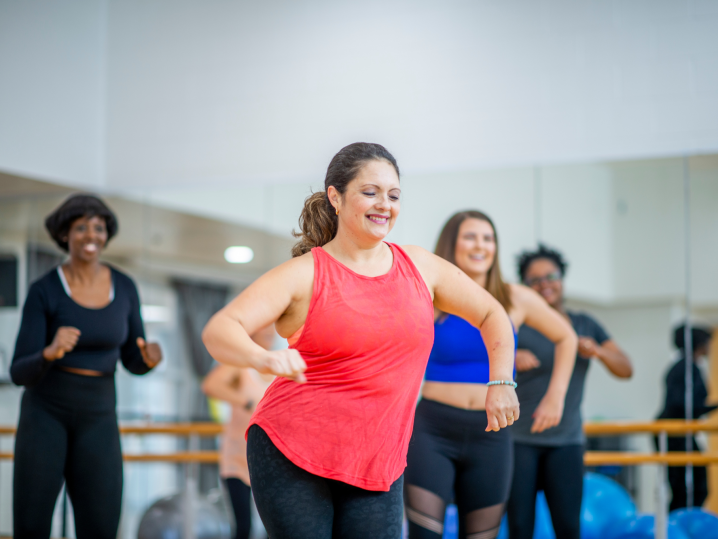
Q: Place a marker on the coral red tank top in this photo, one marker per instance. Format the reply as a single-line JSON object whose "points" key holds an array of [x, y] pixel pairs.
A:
{"points": [[366, 342]]}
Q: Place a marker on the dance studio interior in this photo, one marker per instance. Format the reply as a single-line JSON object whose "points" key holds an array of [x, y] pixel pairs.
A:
{"points": [[584, 129]]}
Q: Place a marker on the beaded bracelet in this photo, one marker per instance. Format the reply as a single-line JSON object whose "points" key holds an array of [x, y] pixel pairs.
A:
{"points": [[503, 383]]}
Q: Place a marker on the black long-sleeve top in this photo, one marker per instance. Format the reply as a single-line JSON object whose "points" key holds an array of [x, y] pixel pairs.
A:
{"points": [[107, 334], [675, 406]]}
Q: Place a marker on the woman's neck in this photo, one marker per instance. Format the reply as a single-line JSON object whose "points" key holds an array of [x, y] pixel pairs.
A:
{"points": [[346, 247], [81, 271]]}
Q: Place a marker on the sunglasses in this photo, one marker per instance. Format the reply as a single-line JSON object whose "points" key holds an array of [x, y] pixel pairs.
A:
{"points": [[549, 278]]}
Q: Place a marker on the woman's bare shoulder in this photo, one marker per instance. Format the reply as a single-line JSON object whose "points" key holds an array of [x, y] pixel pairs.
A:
{"points": [[300, 267], [418, 255], [522, 294]]}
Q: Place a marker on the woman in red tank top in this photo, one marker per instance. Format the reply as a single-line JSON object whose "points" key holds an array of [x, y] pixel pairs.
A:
{"points": [[327, 444]]}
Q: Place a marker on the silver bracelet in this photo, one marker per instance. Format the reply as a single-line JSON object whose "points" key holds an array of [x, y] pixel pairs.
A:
{"points": [[503, 383]]}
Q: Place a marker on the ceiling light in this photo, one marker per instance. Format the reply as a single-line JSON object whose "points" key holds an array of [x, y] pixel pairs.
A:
{"points": [[155, 313], [238, 254]]}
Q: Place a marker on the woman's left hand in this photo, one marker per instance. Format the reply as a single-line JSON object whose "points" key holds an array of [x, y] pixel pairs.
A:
{"points": [[548, 414], [151, 352], [502, 407], [587, 347]]}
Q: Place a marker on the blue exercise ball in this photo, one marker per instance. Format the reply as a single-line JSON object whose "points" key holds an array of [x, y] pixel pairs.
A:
{"points": [[543, 528], [504, 529], [642, 526], [451, 522], [605, 503], [697, 524]]}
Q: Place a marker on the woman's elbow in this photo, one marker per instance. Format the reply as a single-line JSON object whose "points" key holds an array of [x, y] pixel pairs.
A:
{"points": [[627, 371], [570, 339], [209, 333]]}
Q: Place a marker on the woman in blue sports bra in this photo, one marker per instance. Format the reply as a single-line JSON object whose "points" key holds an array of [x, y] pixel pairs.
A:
{"points": [[453, 454]]}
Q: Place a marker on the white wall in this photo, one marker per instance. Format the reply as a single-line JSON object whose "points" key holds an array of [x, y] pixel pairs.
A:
{"points": [[52, 96], [223, 91]]}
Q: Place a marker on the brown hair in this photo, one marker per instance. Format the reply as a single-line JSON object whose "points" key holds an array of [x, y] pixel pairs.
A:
{"points": [[318, 221], [446, 249]]}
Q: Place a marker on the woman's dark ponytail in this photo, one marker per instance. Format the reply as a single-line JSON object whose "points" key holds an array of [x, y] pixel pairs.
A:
{"points": [[318, 222]]}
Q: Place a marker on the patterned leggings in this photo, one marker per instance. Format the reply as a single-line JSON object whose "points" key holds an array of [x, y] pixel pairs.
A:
{"points": [[295, 504]]}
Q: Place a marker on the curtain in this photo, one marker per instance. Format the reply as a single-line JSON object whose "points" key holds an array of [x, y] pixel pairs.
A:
{"points": [[197, 303]]}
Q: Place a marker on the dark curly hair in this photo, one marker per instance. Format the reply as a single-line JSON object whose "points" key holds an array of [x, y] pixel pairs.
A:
{"points": [[700, 336], [318, 222], [527, 257], [58, 223]]}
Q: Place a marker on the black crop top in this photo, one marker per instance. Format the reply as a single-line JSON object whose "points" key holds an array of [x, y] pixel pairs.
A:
{"points": [[107, 334]]}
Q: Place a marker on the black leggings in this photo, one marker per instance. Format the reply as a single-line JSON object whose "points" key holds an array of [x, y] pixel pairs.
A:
{"points": [[677, 477], [295, 504], [241, 496], [558, 471], [451, 456], [68, 429]]}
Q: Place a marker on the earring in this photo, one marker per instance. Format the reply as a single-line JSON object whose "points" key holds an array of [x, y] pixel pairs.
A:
{"points": [[337, 211]]}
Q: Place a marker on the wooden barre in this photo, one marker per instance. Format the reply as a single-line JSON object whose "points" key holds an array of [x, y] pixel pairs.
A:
{"points": [[177, 429], [201, 457], [608, 458], [591, 458], [670, 426]]}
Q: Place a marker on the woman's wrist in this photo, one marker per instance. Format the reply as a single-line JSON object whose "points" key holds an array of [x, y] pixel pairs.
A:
{"points": [[48, 354], [257, 358], [505, 382], [556, 393]]}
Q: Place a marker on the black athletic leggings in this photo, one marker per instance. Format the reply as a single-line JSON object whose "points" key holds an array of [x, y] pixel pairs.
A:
{"points": [[241, 497], [451, 456], [677, 477], [68, 430], [558, 471], [295, 504]]}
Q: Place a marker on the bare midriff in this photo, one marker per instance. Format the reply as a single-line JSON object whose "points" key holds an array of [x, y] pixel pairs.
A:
{"points": [[465, 396], [82, 372]]}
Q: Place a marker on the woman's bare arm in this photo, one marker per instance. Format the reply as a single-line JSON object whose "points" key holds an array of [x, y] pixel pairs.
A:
{"points": [[270, 298], [615, 359], [549, 322], [455, 293], [226, 383]]}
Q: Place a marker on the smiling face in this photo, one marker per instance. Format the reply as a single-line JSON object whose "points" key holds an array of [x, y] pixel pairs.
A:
{"points": [[475, 247], [370, 204], [545, 277], [86, 238]]}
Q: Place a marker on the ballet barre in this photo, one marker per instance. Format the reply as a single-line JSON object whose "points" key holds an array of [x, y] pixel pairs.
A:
{"points": [[661, 429]]}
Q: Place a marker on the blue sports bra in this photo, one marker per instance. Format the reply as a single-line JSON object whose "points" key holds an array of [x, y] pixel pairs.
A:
{"points": [[459, 354]]}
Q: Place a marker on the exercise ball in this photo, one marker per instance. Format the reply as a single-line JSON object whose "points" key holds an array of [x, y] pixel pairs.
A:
{"points": [[605, 504], [504, 529], [451, 522], [165, 520], [696, 523], [543, 528], [643, 527]]}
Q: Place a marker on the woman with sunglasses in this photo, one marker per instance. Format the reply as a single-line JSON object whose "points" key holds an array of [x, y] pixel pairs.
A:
{"points": [[555, 455], [454, 454]]}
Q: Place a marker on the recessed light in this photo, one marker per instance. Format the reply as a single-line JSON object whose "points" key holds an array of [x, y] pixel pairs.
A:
{"points": [[238, 254], [155, 313]]}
